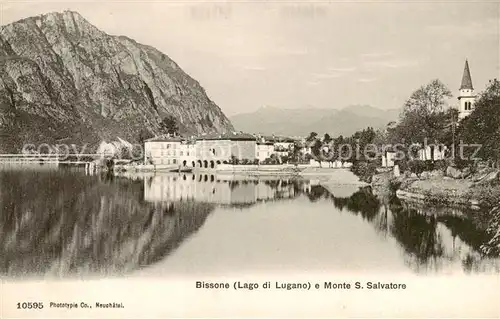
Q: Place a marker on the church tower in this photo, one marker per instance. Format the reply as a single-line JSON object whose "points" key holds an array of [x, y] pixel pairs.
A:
{"points": [[466, 95]]}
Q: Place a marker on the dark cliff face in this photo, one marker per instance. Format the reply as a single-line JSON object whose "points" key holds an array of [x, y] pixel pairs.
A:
{"points": [[63, 80]]}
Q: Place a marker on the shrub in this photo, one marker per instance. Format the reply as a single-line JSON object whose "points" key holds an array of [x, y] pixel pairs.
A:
{"points": [[270, 161], [463, 163], [364, 170], [487, 196], [441, 165], [419, 166]]}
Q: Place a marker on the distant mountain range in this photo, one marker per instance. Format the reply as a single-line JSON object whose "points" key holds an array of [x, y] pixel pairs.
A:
{"points": [[300, 122]]}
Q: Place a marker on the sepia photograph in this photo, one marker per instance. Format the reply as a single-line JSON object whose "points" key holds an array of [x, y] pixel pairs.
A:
{"points": [[280, 158]]}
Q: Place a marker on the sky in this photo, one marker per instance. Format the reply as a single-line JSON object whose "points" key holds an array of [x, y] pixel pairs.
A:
{"points": [[295, 54]]}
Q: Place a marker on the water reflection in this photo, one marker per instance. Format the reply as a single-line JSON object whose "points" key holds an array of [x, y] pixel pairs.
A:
{"points": [[432, 237], [224, 190], [64, 223]]}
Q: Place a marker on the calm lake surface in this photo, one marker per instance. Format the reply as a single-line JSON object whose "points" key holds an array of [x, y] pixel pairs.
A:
{"points": [[64, 223]]}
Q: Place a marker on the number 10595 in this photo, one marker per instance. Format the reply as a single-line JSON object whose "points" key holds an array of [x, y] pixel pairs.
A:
{"points": [[30, 305]]}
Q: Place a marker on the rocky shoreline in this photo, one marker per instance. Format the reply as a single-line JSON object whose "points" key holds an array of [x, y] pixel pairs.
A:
{"points": [[478, 192], [451, 186]]}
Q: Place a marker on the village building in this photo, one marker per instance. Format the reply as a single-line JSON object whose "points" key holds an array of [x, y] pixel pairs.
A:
{"points": [[187, 154], [212, 150], [264, 150], [388, 159], [466, 96], [432, 152], [283, 146], [163, 150]]}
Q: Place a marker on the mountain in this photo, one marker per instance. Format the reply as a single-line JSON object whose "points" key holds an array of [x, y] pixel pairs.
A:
{"points": [[300, 122], [272, 120], [63, 80]]}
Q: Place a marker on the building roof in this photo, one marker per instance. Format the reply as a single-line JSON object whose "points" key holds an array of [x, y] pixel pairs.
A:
{"points": [[265, 143], [466, 78], [279, 139], [165, 138], [228, 136]]}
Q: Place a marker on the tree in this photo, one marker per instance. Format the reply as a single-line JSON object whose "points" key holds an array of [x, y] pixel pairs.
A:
{"points": [[312, 136], [428, 99], [316, 150], [144, 135], [296, 151], [482, 126], [169, 125], [327, 138], [422, 115]]}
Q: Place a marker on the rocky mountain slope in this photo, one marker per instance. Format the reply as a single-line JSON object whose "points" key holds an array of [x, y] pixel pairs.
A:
{"points": [[300, 122], [62, 80]]}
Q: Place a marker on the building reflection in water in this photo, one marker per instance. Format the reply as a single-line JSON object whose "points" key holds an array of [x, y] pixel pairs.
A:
{"points": [[223, 189], [62, 223], [433, 238]]}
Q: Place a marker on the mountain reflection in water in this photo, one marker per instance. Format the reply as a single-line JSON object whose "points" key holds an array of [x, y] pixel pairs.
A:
{"points": [[63, 223]]}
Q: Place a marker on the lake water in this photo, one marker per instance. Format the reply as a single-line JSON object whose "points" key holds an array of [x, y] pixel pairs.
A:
{"points": [[64, 223]]}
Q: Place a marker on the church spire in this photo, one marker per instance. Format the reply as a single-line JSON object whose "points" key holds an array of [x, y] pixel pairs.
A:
{"points": [[466, 79]]}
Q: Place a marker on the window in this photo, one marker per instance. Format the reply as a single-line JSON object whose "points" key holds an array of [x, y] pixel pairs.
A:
{"points": [[174, 161], [168, 145], [182, 153], [168, 161]]}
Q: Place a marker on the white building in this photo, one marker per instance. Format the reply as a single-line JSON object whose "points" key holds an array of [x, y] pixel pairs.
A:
{"points": [[187, 154], [283, 146], [163, 150], [466, 96], [432, 152], [388, 159], [212, 150], [264, 150]]}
